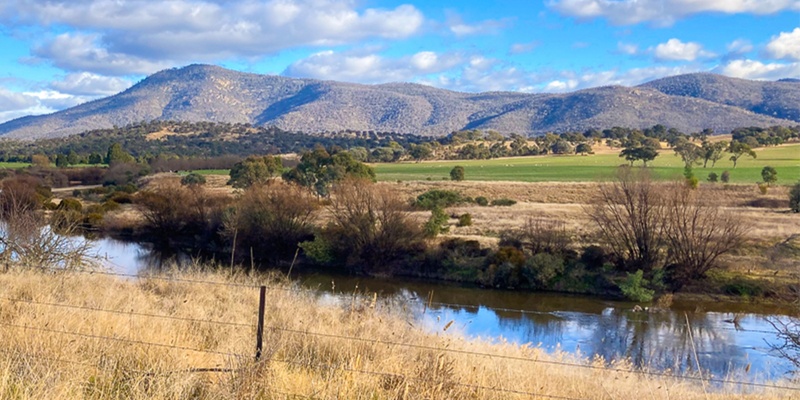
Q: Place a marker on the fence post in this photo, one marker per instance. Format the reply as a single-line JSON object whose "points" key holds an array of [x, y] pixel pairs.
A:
{"points": [[260, 328]]}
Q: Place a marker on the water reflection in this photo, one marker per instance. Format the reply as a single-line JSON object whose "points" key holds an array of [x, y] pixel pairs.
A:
{"points": [[583, 325]]}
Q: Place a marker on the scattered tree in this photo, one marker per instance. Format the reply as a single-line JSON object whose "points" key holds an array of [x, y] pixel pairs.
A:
{"points": [[255, 171], [116, 154], [738, 150], [769, 175], [642, 153], [794, 198]]}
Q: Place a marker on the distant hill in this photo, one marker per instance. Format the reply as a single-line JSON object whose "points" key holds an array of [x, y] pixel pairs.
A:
{"points": [[209, 93]]}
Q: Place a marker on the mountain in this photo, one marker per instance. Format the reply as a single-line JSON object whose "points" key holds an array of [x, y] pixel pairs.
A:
{"points": [[209, 93], [779, 99]]}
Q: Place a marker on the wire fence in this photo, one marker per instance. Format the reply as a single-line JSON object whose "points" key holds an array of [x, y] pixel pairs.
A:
{"points": [[258, 326]]}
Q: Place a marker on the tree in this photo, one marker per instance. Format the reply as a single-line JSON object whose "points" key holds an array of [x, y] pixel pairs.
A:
{"points": [[61, 161], [696, 234], [95, 159], [739, 149], [420, 152], [769, 175], [116, 154], [725, 177], [73, 158], [255, 171], [457, 173], [561, 146], [40, 160], [642, 153], [689, 152], [584, 148], [319, 169], [629, 218], [713, 152], [794, 198]]}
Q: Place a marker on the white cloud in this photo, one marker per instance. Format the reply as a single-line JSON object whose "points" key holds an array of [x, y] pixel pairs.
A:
{"points": [[459, 28], [752, 69], [664, 12], [675, 50], [80, 52], [561, 86], [134, 36], [627, 48], [521, 48], [88, 84], [19, 104], [13, 101], [786, 45], [740, 46], [369, 67]]}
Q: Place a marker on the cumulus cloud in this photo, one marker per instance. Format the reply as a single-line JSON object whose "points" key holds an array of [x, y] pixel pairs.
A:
{"points": [[675, 50], [370, 68], [135, 36], [786, 45], [664, 12], [88, 84], [13, 101], [752, 69], [19, 104]]}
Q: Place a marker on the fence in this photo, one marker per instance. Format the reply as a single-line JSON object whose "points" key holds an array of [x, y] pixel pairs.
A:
{"points": [[259, 328]]}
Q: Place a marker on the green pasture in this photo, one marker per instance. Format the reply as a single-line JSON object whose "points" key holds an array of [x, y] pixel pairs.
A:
{"points": [[14, 165], [785, 159]]}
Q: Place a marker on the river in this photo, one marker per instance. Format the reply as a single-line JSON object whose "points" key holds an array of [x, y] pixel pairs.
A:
{"points": [[730, 340]]}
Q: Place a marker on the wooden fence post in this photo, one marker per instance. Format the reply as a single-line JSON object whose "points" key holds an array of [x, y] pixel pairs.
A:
{"points": [[260, 329]]}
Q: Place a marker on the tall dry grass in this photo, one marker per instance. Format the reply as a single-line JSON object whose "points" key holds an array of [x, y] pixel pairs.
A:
{"points": [[398, 361]]}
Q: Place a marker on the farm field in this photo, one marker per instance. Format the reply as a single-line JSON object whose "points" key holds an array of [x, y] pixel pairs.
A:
{"points": [[576, 168]]}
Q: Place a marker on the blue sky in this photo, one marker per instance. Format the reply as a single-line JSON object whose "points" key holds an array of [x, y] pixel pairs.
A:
{"points": [[57, 54]]}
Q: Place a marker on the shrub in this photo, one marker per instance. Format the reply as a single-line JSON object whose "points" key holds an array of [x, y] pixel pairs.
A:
{"points": [[438, 198], [465, 220], [504, 202], [70, 204], [482, 201], [725, 177], [541, 269], [769, 175], [713, 177], [634, 287], [437, 223], [594, 257], [193, 179], [457, 173], [794, 198], [763, 188]]}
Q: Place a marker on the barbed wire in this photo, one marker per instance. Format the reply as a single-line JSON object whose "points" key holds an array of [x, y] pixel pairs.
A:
{"points": [[128, 313], [123, 340]]}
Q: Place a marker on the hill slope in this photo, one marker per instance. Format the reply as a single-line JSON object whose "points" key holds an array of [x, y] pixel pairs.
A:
{"points": [[209, 93]]}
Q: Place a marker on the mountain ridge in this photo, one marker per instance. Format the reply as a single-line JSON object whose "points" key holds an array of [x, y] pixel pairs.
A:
{"points": [[199, 92]]}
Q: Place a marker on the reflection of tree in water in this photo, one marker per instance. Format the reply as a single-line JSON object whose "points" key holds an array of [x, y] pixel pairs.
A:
{"points": [[662, 341], [155, 259]]}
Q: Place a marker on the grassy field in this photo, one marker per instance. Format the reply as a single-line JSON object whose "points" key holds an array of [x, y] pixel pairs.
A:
{"points": [[575, 168], [191, 336], [14, 165]]}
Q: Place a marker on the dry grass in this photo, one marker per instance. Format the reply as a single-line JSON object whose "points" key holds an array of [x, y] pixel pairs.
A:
{"points": [[38, 365]]}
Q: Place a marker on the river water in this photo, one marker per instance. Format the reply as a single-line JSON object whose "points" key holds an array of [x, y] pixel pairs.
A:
{"points": [[730, 340]]}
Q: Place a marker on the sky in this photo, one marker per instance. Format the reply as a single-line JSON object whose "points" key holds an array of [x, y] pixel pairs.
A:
{"points": [[58, 54]]}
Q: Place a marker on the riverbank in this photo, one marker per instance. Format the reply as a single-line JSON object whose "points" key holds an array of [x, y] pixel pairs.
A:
{"points": [[192, 334]]}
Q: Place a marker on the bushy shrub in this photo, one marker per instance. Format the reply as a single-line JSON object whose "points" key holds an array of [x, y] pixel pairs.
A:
{"points": [[437, 223], [504, 202], [541, 269], [438, 198], [465, 220], [794, 198], [725, 177], [712, 177], [457, 173], [482, 201], [634, 287]]}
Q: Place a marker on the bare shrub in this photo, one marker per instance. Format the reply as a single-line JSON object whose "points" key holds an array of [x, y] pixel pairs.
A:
{"points": [[696, 234], [370, 228], [173, 209], [272, 219], [629, 218], [541, 235]]}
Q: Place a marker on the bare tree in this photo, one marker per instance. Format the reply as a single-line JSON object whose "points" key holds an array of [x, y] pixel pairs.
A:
{"points": [[630, 219], [696, 233], [540, 235]]}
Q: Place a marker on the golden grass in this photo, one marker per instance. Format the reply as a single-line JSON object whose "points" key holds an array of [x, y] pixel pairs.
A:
{"points": [[48, 365]]}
